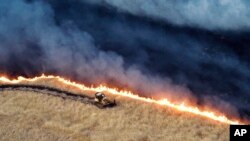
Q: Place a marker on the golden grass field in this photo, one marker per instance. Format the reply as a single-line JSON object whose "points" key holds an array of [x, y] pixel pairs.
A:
{"points": [[29, 116]]}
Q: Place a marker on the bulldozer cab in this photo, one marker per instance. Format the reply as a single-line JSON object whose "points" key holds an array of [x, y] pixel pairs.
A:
{"points": [[99, 97]]}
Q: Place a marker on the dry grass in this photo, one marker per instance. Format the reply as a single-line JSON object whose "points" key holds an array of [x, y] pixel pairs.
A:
{"points": [[26, 116]]}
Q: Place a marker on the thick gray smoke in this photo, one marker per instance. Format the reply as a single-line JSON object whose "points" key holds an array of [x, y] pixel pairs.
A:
{"points": [[95, 44], [29, 33], [208, 14]]}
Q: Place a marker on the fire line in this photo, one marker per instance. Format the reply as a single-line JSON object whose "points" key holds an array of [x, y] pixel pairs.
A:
{"points": [[165, 102]]}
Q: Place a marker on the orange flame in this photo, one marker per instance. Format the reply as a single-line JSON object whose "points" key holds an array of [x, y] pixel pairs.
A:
{"points": [[165, 102]]}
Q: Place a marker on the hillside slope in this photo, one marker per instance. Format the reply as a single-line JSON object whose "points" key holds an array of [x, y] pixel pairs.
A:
{"points": [[29, 116]]}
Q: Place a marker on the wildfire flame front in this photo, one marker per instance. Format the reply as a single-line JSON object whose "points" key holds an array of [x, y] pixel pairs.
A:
{"points": [[165, 102]]}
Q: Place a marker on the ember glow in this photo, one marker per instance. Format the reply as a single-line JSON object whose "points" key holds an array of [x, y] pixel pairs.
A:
{"points": [[165, 102]]}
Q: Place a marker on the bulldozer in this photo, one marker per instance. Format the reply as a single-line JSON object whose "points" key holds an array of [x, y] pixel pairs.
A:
{"points": [[102, 101]]}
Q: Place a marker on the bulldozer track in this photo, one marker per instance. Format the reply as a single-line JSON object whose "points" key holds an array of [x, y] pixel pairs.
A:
{"points": [[39, 89]]}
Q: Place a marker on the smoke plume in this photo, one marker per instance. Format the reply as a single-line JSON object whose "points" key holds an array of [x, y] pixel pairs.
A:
{"points": [[93, 43], [208, 14]]}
